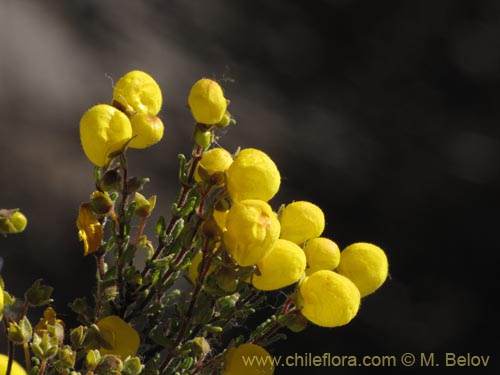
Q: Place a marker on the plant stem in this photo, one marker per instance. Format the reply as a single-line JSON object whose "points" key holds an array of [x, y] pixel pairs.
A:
{"points": [[43, 366], [27, 358], [140, 231], [121, 220], [11, 357]]}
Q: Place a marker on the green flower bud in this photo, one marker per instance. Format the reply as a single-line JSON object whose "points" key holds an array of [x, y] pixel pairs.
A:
{"points": [[77, 337], [227, 279], [203, 138], [225, 120], [93, 358], [20, 333], [12, 221], [111, 180], [38, 294], [109, 365], [67, 358], [45, 347], [100, 203], [200, 346], [143, 206], [132, 366]]}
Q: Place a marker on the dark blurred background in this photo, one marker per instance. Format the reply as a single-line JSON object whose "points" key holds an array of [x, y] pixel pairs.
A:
{"points": [[384, 113]]}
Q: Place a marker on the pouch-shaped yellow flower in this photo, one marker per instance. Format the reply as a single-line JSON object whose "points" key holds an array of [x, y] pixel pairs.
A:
{"points": [[365, 265], [138, 92], [207, 102], [301, 221], [89, 229], [103, 131], [252, 175], [248, 359], [17, 369], [329, 299], [213, 161], [119, 335], [282, 266], [146, 130], [251, 231], [322, 254], [220, 218]]}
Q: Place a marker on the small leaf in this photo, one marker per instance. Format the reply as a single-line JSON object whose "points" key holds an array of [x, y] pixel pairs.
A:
{"points": [[38, 294]]}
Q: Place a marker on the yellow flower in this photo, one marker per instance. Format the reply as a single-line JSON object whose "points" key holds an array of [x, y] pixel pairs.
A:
{"points": [[193, 267], [252, 175], [220, 218], [12, 221], [104, 130], [251, 231], [329, 299], [300, 221], [146, 130], [49, 319], [213, 161], [17, 369], [207, 102], [365, 265], [1, 301], [282, 266], [143, 206], [122, 338], [89, 230], [248, 359], [138, 92], [322, 254]]}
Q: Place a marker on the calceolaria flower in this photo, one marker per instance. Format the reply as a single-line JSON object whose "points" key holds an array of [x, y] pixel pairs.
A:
{"points": [[49, 320], [248, 359], [138, 92], [252, 175], [17, 369], [283, 265], [146, 130], [104, 130], [216, 160], [322, 254], [122, 339], [329, 299], [12, 221], [251, 231], [89, 229], [207, 102], [365, 265], [301, 221]]}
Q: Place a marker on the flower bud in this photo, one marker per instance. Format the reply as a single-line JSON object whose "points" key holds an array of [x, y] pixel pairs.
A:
{"points": [[224, 121], [227, 279], [200, 346], [146, 130], [282, 266], [301, 221], [93, 358], [77, 337], [207, 102], [203, 138], [12, 221], [321, 254], [132, 366], [20, 333], [104, 130], [251, 231], [252, 175], [111, 180], [365, 265], [45, 347], [109, 365], [329, 299], [213, 161], [143, 206], [294, 321], [89, 229], [100, 203], [67, 357], [138, 92]]}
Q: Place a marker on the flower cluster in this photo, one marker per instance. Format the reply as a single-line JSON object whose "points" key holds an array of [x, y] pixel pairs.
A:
{"points": [[222, 235]]}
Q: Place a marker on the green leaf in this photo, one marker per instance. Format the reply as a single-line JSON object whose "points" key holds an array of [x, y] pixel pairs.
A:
{"points": [[161, 226], [38, 294]]}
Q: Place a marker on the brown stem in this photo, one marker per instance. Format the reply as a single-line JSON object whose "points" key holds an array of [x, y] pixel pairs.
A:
{"points": [[11, 357], [43, 366], [140, 231], [121, 220]]}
